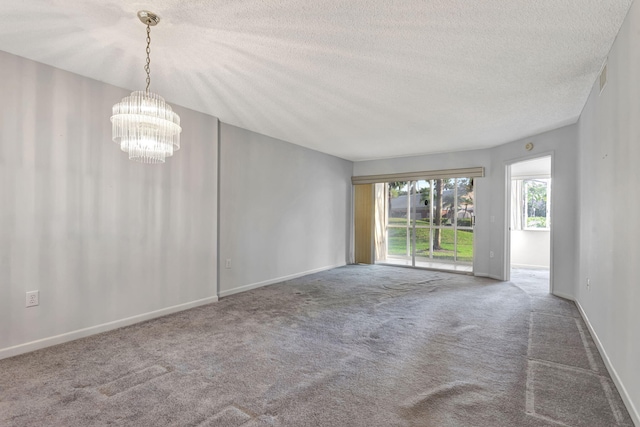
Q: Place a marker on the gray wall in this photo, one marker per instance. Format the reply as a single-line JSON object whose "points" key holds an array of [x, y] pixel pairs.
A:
{"points": [[106, 241], [284, 210], [490, 200], [561, 144], [609, 208], [531, 248]]}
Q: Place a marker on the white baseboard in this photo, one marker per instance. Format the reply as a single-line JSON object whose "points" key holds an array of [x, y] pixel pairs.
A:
{"points": [[563, 295], [633, 411], [92, 330], [244, 288], [487, 275]]}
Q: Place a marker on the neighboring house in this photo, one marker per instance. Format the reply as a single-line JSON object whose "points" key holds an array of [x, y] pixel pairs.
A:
{"points": [[400, 204]]}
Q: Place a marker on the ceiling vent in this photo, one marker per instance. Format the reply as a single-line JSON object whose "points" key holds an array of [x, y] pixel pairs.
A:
{"points": [[603, 78]]}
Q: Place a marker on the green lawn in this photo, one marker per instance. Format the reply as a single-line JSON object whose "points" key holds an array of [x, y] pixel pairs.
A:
{"points": [[398, 243]]}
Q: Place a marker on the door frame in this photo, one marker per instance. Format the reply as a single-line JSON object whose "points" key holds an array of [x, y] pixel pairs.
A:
{"points": [[507, 222]]}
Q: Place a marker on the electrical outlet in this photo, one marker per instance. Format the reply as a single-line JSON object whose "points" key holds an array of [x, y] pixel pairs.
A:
{"points": [[33, 298], [227, 264], [491, 254]]}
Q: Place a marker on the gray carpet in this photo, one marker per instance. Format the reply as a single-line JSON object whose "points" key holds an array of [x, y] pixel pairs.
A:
{"points": [[354, 346]]}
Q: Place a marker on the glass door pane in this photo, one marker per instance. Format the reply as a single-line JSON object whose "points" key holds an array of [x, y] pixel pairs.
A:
{"points": [[445, 251], [398, 242], [421, 206], [464, 246], [444, 219], [465, 220], [398, 223], [464, 196], [423, 252]]}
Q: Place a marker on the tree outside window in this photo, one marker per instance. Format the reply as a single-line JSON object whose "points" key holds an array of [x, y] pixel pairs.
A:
{"points": [[536, 203]]}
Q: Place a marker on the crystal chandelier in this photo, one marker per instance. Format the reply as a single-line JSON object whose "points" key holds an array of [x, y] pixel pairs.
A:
{"points": [[143, 124]]}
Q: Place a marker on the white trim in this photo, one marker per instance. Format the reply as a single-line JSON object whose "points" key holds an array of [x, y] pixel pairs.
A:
{"points": [[93, 330], [552, 227], [276, 280], [633, 411], [538, 267], [489, 276], [563, 295], [507, 224], [531, 175]]}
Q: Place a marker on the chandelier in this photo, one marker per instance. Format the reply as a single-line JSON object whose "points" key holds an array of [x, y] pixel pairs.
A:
{"points": [[144, 125]]}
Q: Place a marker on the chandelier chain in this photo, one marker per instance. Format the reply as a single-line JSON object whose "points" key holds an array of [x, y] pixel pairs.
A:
{"points": [[146, 67]]}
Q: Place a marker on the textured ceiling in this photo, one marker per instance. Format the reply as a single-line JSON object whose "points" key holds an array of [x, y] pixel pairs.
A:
{"points": [[360, 79], [535, 167]]}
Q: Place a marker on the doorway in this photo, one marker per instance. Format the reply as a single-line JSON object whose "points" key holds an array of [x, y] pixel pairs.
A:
{"points": [[530, 223]]}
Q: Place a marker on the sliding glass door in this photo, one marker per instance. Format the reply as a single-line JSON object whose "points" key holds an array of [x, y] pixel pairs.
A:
{"points": [[429, 223]]}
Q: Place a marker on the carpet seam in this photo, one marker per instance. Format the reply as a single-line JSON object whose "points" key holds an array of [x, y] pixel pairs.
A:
{"points": [[583, 337], [551, 364], [609, 393]]}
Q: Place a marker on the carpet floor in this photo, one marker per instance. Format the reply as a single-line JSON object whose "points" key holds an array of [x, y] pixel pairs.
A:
{"points": [[355, 346]]}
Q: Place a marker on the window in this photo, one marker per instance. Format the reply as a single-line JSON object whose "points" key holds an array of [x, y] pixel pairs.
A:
{"points": [[532, 200], [536, 204], [428, 223], [424, 219]]}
